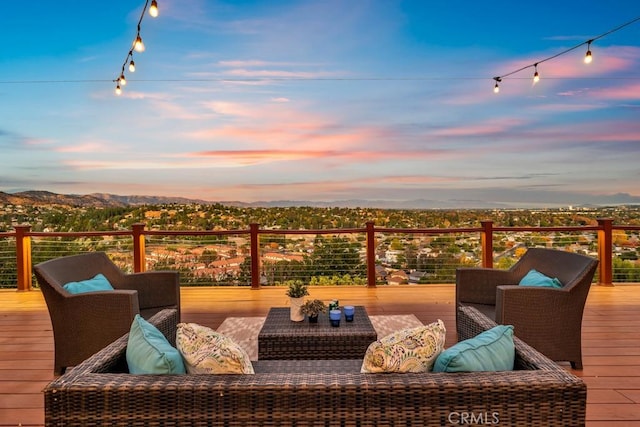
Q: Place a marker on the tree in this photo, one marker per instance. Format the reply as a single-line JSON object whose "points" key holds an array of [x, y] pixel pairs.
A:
{"points": [[335, 255], [208, 256]]}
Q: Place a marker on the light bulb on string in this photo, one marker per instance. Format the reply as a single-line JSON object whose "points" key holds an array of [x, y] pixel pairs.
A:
{"points": [[138, 45], [536, 75], [496, 88], [588, 57], [153, 9]]}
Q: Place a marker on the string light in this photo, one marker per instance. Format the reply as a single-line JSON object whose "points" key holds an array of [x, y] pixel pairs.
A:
{"points": [[153, 10], [496, 88], [587, 59], [137, 46]]}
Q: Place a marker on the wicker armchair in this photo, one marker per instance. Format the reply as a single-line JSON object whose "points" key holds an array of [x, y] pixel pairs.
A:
{"points": [[85, 323], [548, 319]]}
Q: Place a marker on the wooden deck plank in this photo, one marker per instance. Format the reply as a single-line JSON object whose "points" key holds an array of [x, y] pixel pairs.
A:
{"points": [[611, 339], [607, 396]]}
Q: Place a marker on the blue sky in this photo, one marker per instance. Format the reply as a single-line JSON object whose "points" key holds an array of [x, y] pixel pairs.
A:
{"points": [[323, 101]]}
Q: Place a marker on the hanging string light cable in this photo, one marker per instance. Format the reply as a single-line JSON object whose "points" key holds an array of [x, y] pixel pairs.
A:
{"points": [[498, 79], [588, 57], [137, 46]]}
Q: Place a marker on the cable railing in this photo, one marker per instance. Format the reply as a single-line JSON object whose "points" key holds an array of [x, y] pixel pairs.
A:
{"points": [[368, 256]]}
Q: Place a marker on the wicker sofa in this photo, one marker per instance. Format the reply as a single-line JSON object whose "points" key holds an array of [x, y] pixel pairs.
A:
{"points": [[316, 393]]}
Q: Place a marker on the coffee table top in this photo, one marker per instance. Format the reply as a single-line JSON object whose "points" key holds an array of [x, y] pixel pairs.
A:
{"points": [[281, 338], [279, 323]]}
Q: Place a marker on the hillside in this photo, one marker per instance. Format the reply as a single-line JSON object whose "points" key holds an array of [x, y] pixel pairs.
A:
{"points": [[95, 200], [35, 198]]}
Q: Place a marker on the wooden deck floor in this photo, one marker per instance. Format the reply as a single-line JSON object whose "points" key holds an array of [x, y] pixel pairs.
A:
{"points": [[611, 339]]}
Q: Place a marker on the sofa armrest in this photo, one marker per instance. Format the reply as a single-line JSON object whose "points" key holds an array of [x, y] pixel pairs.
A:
{"points": [[473, 322], [478, 285]]}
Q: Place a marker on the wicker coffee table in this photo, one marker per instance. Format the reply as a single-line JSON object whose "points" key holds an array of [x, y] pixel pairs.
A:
{"points": [[281, 338]]}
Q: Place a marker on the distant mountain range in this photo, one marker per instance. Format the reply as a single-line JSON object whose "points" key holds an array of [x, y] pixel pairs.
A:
{"points": [[89, 200], [36, 197], [112, 200]]}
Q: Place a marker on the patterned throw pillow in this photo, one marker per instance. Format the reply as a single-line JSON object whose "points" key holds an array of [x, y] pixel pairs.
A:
{"points": [[407, 350], [206, 351]]}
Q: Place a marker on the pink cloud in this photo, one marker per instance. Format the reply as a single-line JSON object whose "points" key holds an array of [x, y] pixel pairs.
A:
{"points": [[242, 72], [231, 108], [248, 157], [239, 63], [558, 108], [626, 92], [277, 125], [326, 188], [37, 142], [87, 147], [243, 63], [416, 179], [489, 128]]}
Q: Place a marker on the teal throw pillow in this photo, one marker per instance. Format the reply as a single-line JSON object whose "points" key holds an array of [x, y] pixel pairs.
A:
{"points": [[535, 278], [149, 352], [491, 350], [95, 284]]}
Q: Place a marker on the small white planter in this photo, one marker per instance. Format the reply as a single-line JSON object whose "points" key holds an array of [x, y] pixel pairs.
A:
{"points": [[296, 314]]}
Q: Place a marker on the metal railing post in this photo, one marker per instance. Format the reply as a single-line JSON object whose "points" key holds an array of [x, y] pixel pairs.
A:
{"points": [[605, 251], [23, 257], [486, 241], [255, 255], [139, 255], [371, 255]]}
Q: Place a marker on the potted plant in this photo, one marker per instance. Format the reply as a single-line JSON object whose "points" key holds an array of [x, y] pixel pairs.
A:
{"points": [[296, 293], [312, 308]]}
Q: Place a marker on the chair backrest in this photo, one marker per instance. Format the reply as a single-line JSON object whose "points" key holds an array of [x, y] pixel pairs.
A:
{"points": [[53, 274], [570, 268], [59, 271]]}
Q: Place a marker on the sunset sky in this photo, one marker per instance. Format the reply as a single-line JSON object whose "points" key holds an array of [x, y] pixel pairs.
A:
{"points": [[324, 101]]}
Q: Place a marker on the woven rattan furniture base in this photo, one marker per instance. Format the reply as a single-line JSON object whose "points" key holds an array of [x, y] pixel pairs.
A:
{"points": [[289, 393], [281, 338]]}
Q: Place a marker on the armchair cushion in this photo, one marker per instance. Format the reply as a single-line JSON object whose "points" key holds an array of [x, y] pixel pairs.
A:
{"points": [[206, 351], [407, 350], [149, 351], [492, 350], [535, 278], [95, 284]]}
